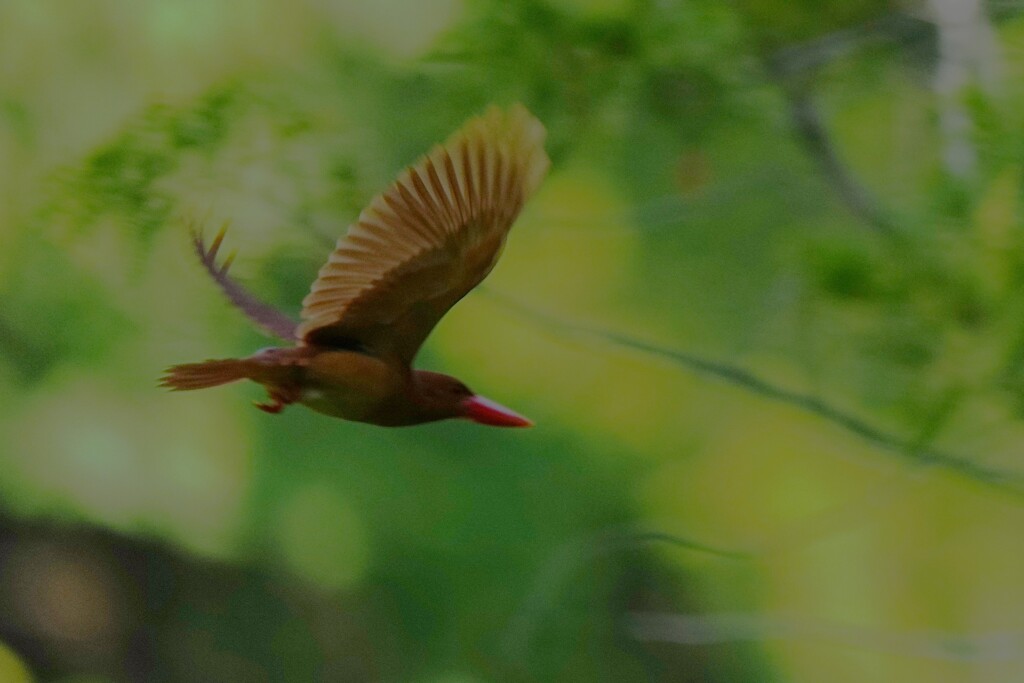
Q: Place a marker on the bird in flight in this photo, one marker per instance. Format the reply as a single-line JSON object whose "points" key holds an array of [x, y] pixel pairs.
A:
{"points": [[418, 248]]}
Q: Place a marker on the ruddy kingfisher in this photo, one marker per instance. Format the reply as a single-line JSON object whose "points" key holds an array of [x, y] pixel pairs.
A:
{"points": [[418, 248]]}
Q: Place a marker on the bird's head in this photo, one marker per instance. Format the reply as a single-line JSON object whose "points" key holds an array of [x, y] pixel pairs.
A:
{"points": [[447, 397]]}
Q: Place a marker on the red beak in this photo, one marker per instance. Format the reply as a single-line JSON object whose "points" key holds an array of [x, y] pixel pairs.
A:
{"points": [[487, 412]]}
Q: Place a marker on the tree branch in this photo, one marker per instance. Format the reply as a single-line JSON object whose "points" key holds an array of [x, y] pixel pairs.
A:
{"points": [[705, 629], [563, 564], [909, 449], [793, 69], [812, 132]]}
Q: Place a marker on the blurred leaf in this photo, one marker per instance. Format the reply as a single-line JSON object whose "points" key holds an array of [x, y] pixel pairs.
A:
{"points": [[12, 670]]}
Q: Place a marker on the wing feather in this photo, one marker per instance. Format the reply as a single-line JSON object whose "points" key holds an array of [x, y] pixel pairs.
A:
{"points": [[432, 236], [267, 318]]}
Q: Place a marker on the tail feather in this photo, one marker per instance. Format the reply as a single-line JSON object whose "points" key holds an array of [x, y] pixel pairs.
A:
{"points": [[210, 373]]}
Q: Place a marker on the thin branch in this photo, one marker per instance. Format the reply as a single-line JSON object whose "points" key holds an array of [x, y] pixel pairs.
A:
{"points": [[909, 449], [568, 559], [799, 59], [705, 629], [814, 135], [793, 69]]}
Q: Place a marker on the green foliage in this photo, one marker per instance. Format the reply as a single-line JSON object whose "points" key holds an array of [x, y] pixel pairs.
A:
{"points": [[204, 126], [119, 179], [53, 313]]}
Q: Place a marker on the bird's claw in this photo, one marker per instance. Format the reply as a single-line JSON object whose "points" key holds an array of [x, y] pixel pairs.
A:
{"points": [[274, 407], [278, 400]]}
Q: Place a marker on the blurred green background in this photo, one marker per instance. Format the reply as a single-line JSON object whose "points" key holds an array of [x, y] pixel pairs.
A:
{"points": [[767, 311]]}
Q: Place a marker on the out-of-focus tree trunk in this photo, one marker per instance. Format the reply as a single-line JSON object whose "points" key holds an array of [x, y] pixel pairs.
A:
{"points": [[967, 55]]}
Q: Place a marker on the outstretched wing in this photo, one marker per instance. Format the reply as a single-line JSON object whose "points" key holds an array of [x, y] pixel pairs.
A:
{"points": [[428, 239], [267, 318]]}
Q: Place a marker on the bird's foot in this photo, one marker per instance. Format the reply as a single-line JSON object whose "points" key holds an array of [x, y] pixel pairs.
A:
{"points": [[273, 407], [278, 400]]}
